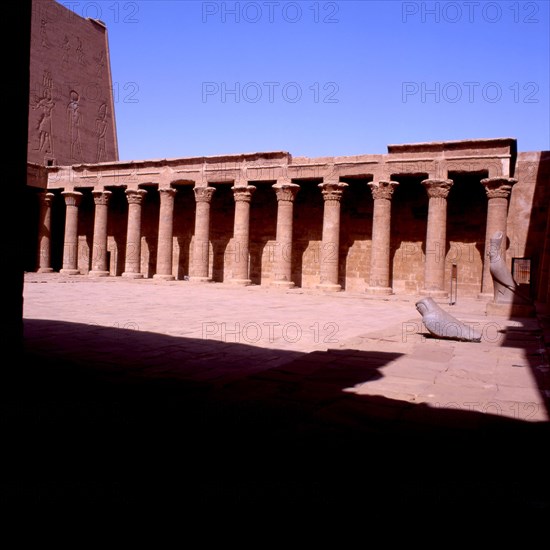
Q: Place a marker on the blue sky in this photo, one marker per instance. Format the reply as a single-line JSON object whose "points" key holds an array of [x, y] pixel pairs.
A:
{"points": [[324, 78]]}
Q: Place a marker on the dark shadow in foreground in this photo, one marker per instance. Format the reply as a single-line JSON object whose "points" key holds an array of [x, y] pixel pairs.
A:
{"points": [[116, 417]]}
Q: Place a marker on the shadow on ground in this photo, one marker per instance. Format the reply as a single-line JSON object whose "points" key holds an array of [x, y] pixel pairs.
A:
{"points": [[116, 417]]}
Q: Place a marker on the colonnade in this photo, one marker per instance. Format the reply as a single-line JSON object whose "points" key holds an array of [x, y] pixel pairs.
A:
{"points": [[498, 191]]}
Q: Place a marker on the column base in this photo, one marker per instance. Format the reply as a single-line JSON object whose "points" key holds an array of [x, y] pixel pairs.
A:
{"points": [[485, 296], [510, 310], [160, 277], [130, 275], [282, 284], [240, 282], [329, 287], [435, 293], [45, 270], [200, 279], [97, 273], [70, 272], [379, 290]]}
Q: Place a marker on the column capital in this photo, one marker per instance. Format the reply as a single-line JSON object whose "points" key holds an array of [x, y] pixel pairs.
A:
{"points": [[438, 188], [135, 196], [203, 194], [332, 191], [286, 190], [46, 198], [382, 189], [167, 191], [498, 188], [101, 197], [72, 198], [243, 193]]}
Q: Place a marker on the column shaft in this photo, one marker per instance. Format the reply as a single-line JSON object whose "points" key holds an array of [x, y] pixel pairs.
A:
{"points": [[132, 265], [436, 237], [241, 234], [199, 262], [282, 268], [70, 245], [99, 254], [498, 192], [330, 245], [379, 280], [165, 234], [45, 233]]}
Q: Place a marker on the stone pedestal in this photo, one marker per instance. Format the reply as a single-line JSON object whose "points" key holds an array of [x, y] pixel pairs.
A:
{"points": [[99, 253], [330, 245], [436, 237], [199, 262], [498, 192], [70, 245], [165, 235], [241, 234], [132, 264], [45, 233], [379, 280], [282, 267]]}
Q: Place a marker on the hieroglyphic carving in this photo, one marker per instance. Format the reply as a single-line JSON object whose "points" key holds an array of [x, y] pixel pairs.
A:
{"points": [[44, 33], [80, 51], [100, 63], [66, 46]]}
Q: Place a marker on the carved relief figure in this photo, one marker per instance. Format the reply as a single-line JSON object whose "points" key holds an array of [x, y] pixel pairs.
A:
{"points": [[73, 121], [101, 131], [46, 104]]}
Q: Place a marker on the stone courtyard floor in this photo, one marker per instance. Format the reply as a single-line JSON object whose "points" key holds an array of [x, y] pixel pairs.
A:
{"points": [[233, 397]]}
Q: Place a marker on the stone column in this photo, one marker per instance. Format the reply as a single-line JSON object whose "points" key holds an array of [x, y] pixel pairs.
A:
{"points": [[498, 192], [199, 265], [379, 281], [45, 233], [99, 253], [165, 234], [133, 237], [282, 267], [436, 237], [70, 245], [330, 245], [241, 233]]}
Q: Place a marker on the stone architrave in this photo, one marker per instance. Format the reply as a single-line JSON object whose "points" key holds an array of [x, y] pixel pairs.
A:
{"points": [[330, 245], [70, 245], [241, 233], [132, 264], [498, 191], [99, 254], [165, 235], [199, 263], [436, 236], [282, 267], [45, 233], [379, 280]]}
